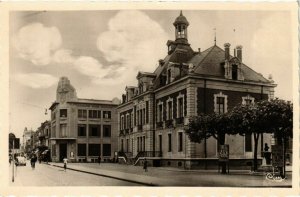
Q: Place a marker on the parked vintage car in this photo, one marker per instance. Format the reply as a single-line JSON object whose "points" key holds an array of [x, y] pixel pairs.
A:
{"points": [[20, 161]]}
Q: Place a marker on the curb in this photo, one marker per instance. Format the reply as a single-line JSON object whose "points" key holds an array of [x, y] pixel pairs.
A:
{"points": [[108, 176]]}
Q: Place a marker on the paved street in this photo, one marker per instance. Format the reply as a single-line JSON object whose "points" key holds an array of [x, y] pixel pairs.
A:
{"points": [[46, 175], [91, 174]]}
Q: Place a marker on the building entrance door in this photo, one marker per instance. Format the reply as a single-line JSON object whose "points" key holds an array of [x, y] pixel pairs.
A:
{"points": [[62, 151]]}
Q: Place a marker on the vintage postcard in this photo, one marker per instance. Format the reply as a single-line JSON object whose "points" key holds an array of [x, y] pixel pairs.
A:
{"points": [[149, 99]]}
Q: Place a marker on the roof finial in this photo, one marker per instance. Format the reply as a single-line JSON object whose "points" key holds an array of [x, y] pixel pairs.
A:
{"points": [[180, 12], [215, 29]]}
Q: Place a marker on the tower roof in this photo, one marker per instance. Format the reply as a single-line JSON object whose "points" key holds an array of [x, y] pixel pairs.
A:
{"points": [[181, 20]]}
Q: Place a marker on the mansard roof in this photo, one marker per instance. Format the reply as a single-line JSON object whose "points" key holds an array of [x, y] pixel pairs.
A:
{"points": [[209, 63]]}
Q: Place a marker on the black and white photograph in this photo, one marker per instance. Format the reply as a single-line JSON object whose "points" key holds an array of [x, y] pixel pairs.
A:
{"points": [[152, 97]]}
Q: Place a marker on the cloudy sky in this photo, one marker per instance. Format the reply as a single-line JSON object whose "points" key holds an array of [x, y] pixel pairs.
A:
{"points": [[102, 51]]}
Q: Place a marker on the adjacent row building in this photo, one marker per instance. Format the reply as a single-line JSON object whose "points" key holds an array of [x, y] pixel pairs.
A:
{"points": [[82, 130]]}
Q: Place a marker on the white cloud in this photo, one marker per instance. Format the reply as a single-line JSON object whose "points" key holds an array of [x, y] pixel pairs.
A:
{"points": [[35, 42], [90, 66], [36, 80], [63, 56], [135, 41]]}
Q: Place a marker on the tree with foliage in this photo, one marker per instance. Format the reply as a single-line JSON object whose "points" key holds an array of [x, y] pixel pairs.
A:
{"points": [[274, 116], [245, 120], [205, 126]]}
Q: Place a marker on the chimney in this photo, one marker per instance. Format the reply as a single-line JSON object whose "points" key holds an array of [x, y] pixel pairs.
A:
{"points": [[239, 52], [227, 51]]}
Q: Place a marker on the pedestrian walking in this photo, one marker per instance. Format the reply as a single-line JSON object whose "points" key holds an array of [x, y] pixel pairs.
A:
{"points": [[65, 163], [99, 159], [32, 161], [145, 165]]}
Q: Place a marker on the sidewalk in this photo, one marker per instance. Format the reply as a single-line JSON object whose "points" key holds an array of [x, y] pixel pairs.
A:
{"points": [[165, 176]]}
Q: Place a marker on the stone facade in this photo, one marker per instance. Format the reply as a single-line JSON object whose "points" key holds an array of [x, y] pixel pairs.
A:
{"points": [[82, 129], [153, 115]]}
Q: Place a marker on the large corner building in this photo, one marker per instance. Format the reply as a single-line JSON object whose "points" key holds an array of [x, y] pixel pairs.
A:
{"points": [[82, 129], [186, 83]]}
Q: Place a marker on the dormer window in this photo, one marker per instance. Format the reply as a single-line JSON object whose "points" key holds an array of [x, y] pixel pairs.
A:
{"points": [[169, 76], [233, 69], [234, 72]]}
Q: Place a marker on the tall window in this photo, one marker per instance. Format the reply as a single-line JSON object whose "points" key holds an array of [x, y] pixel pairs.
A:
{"points": [[106, 150], [234, 72], [180, 141], [180, 107], [63, 130], [94, 130], [170, 111], [53, 132], [81, 149], [122, 123], [144, 116], [248, 143], [134, 118], [169, 76], [94, 149], [220, 101], [53, 115], [169, 142], [82, 113], [127, 145], [147, 112], [107, 114], [220, 105], [122, 145], [106, 130], [160, 113], [82, 130], [144, 143], [160, 142], [94, 114], [63, 113]]}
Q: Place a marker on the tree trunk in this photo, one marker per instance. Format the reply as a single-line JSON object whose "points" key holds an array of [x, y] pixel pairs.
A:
{"points": [[256, 138], [221, 141]]}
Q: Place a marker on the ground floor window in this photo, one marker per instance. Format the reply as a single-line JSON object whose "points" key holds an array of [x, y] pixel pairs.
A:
{"points": [[106, 149], [94, 149], [81, 149], [248, 143], [169, 142], [180, 140]]}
